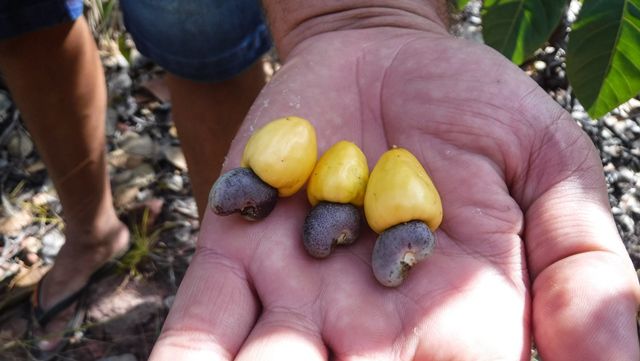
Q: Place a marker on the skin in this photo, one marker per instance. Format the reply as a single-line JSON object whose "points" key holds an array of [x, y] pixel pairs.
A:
{"points": [[203, 111], [527, 247], [56, 79]]}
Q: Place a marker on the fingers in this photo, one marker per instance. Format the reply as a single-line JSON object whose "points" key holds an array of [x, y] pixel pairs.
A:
{"points": [[213, 312], [584, 308], [283, 335], [585, 291]]}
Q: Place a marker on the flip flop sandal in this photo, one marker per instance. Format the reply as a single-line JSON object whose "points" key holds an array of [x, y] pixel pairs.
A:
{"points": [[41, 317], [111, 266]]}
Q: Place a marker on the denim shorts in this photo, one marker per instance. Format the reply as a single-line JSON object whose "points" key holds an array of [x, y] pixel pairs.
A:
{"points": [[202, 40]]}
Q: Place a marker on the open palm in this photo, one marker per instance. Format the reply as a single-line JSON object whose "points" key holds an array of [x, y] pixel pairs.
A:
{"points": [[526, 229]]}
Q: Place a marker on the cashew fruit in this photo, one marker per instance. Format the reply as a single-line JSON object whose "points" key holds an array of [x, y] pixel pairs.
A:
{"points": [[282, 153], [340, 176], [336, 192], [400, 190]]}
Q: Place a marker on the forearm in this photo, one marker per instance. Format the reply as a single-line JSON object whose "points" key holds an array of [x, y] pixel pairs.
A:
{"points": [[293, 21]]}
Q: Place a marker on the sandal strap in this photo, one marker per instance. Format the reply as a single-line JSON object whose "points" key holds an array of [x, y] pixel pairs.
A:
{"points": [[42, 316]]}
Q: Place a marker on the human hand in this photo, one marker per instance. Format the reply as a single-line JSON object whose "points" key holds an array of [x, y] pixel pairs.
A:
{"points": [[527, 247]]}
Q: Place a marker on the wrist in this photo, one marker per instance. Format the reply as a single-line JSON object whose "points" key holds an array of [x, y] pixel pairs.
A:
{"points": [[293, 21]]}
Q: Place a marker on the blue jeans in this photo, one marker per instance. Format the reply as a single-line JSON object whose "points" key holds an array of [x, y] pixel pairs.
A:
{"points": [[202, 40]]}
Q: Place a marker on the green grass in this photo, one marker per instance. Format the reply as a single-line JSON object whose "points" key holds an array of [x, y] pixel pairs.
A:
{"points": [[143, 243]]}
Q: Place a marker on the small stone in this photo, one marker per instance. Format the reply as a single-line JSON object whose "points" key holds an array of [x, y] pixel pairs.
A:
{"points": [[134, 161], [137, 59], [577, 106], [472, 33], [579, 114], [173, 182], [574, 10], [51, 244], [186, 207], [629, 203], [140, 176], [168, 301], [124, 195], [610, 120], [539, 65], [31, 244], [127, 107], [627, 174], [20, 145], [475, 20], [183, 235], [616, 211], [627, 107], [621, 130], [614, 150], [626, 222], [143, 175], [173, 131], [611, 177], [609, 167], [605, 133], [144, 195], [43, 198], [117, 158], [142, 146], [111, 120], [13, 223], [119, 83]]}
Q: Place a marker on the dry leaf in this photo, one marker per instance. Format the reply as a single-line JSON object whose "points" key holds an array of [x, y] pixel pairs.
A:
{"points": [[12, 224], [175, 156], [142, 146]]}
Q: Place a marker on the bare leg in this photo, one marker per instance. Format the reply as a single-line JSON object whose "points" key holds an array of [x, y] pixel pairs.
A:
{"points": [[207, 116], [56, 79]]}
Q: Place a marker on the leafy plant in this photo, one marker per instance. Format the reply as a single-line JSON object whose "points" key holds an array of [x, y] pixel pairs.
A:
{"points": [[603, 53], [106, 24], [103, 18]]}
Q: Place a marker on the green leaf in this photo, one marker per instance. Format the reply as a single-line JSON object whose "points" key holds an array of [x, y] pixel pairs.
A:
{"points": [[516, 28], [603, 55], [460, 4], [124, 49]]}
